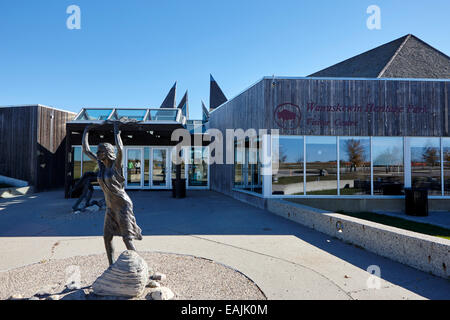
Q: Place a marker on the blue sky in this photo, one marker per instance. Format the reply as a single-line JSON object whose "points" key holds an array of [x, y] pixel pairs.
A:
{"points": [[129, 53]]}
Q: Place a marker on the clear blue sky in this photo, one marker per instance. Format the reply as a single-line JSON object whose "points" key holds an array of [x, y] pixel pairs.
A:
{"points": [[129, 53]]}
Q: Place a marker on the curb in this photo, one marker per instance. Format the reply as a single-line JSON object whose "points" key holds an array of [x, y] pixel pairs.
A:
{"points": [[423, 252]]}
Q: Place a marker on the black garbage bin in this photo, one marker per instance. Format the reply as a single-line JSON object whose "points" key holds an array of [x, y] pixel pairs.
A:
{"points": [[179, 188], [416, 202]]}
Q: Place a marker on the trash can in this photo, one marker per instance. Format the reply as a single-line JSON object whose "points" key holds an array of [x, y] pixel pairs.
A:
{"points": [[179, 188], [416, 202]]}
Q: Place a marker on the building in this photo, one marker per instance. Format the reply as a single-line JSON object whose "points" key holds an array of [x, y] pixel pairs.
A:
{"points": [[32, 144], [357, 133], [148, 147]]}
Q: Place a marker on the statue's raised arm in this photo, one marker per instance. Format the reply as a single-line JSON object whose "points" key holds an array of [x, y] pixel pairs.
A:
{"points": [[119, 146], [86, 148]]}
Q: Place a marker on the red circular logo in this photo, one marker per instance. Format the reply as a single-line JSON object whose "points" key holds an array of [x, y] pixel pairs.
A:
{"points": [[288, 116]]}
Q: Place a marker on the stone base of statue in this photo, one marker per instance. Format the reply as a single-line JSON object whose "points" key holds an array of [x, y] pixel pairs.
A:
{"points": [[127, 277]]}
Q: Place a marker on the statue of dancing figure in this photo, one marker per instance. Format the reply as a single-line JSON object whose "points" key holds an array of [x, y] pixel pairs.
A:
{"points": [[119, 216]]}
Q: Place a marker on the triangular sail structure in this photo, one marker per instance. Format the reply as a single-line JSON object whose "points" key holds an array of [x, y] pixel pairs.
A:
{"points": [[205, 113], [170, 100], [216, 95], [406, 57], [184, 105]]}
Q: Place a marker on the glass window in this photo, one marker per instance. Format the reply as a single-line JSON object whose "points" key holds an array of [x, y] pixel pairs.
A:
{"points": [[321, 166], [446, 149], [76, 151], [88, 164], [252, 167], [126, 114], [388, 171], [159, 167], [95, 114], [174, 166], [287, 165], [162, 115], [198, 168], [354, 166], [426, 164], [239, 160], [146, 166]]}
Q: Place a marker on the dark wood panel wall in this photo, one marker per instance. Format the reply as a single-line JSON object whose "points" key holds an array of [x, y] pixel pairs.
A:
{"points": [[357, 107], [32, 145], [18, 142], [334, 107], [51, 147]]}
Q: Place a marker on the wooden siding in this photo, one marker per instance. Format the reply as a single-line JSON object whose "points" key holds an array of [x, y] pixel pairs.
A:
{"points": [[32, 145], [18, 142], [408, 96], [245, 112], [51, 144]]}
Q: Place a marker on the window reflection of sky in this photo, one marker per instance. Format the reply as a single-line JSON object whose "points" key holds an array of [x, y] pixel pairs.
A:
{"points": [[321, 149], [387, 151]]}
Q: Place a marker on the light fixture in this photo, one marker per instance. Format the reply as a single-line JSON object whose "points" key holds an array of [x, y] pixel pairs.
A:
{"points": [[130, 136]]}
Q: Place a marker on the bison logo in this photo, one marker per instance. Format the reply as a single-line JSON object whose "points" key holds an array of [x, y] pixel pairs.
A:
{"points": [[288, 116]]}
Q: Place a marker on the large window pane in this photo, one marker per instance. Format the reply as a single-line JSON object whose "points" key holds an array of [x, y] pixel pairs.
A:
{"points": [[198, 168], [321, 166], [76, 162], [89, 165], [174, 165], [239, 160], [159, 168], [287, 166], [253, 164], [129, 114], [94, 114], [446, 147], [388, 171], [146, 166], [426, 164], [354, 153]]}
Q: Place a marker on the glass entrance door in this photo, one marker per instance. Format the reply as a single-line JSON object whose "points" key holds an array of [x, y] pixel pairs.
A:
{"points": [[134, 166], [160, 168]]}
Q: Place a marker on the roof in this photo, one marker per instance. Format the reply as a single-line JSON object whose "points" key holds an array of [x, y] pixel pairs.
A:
{"points": [[406, 57]]}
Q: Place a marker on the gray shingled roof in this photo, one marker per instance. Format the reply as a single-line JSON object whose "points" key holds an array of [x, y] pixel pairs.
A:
{"points": [[406, 57]]}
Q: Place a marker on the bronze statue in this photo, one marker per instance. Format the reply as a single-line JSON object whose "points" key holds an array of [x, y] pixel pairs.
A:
{"points": [[85, 183], [119, 216]]}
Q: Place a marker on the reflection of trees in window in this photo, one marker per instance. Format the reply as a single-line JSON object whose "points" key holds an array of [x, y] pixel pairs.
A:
{"points": [[430, 156], [389, 158], [355, 151]]}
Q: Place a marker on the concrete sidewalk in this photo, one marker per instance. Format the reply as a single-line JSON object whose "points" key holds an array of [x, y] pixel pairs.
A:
{"points": [[286, 260]]}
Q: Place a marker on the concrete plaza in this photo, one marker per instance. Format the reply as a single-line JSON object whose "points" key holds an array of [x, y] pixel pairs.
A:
{"points": [[286, 260]]}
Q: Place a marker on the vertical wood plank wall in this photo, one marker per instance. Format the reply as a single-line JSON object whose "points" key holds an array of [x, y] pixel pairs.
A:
{"points": [[51, 145], [17, 142], [256, 108], [32, 145]]}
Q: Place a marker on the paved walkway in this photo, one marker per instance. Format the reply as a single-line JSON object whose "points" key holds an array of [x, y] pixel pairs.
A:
{"points": [[286, 260]]}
